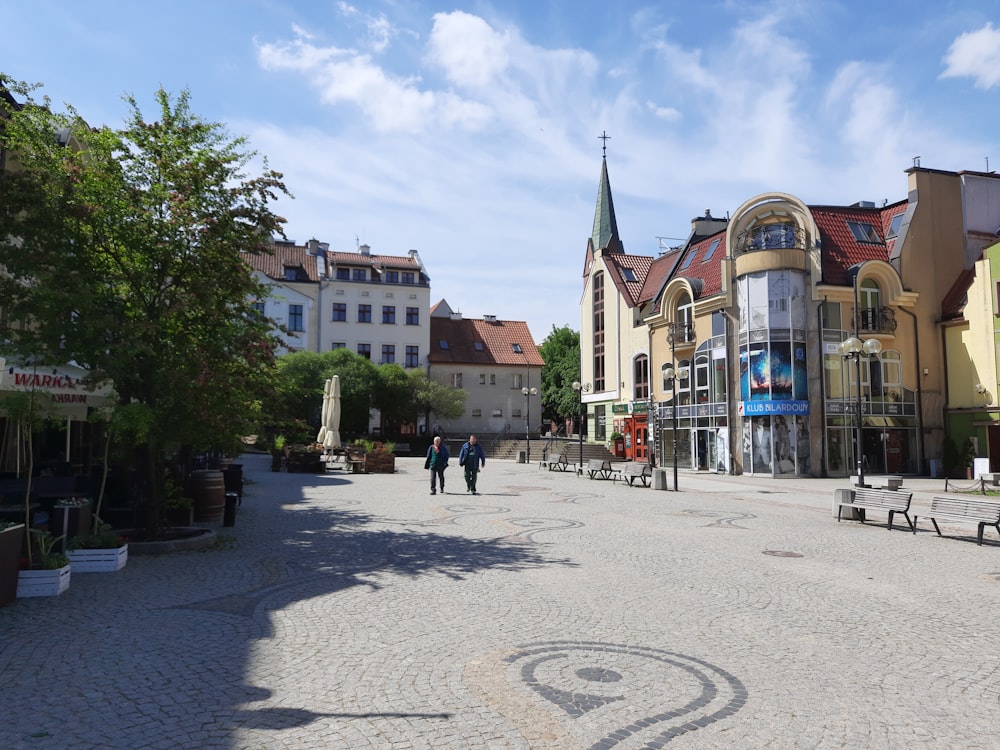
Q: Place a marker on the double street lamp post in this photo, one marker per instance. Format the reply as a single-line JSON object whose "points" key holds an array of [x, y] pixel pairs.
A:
{"points": [[580, 388], [671, 372], [854, 348], [528, 393]]}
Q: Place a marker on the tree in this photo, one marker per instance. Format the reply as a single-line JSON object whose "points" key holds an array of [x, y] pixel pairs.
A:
{"points": [[561, 352], [122, 247], [430, 396], [301, 377]]}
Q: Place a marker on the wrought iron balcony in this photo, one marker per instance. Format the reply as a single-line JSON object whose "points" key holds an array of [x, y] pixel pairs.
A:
{"points": [[771, 237], [680, 332], [877, 320]]}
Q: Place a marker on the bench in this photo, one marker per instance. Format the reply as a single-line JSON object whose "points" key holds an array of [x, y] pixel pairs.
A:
{"points": [[982, 512], [356, 460], [599, 468], [557, 461], [402, 449], [871, 498], [637, 470]]}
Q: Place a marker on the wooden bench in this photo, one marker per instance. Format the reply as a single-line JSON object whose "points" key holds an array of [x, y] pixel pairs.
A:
{"points": [[557, 462], [982, 512], [637, 470], [356, 460], [871, 498], [599, 468]]}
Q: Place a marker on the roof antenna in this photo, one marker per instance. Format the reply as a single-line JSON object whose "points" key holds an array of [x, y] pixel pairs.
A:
{"points": [[916, 161], [604, 137], [357, 242], [987, 164]]}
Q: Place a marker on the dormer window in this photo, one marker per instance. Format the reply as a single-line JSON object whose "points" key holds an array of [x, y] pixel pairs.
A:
{"points": [[516, 348], [894, 225], [711, 250], [864, 232], [628, 274]]}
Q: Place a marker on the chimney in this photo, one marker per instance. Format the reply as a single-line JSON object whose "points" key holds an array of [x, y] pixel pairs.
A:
{"points": [[707, 225], [312, 246], [456, 315], [490, 318], [365, 250]]}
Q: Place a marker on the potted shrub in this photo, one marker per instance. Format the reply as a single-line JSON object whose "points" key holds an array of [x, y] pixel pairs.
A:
{"points": [[100, 552], [278, 453], [49, 574], [380, 458], [11, 540]]}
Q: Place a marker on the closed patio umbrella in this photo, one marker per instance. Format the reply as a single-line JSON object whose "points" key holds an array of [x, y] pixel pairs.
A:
{"points": [[332, 423]]}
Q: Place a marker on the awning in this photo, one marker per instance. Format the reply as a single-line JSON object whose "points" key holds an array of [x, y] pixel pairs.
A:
{"points": [[61, 387]]}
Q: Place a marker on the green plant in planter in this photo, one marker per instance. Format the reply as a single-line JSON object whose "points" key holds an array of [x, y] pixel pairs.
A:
{"points": [[47, 558], [104, 537], [615, 436]]}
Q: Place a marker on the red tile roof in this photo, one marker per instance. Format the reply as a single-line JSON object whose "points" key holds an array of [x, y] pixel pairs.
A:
{"points": [[701, 272], [273, 259], [619, 264], [840, 250], [357, 259], [656, 277], [497, 339]]}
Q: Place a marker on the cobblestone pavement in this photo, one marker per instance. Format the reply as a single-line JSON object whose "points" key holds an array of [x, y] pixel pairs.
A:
{"points": [[551, 611]]}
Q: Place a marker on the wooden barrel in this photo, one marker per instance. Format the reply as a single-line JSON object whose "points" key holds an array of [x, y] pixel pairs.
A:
{"points": [[208, 488]]}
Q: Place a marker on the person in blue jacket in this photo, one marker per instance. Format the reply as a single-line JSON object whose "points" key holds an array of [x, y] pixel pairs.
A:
{"points": [[437, 462], [472, 459]]}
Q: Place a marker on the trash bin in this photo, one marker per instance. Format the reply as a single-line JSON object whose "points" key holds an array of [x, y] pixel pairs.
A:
{"points": [[521, 457], [659, 479], [229, 512]]}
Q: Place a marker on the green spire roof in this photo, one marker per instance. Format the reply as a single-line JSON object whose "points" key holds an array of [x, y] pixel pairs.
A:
{"points": [[605, 224]]}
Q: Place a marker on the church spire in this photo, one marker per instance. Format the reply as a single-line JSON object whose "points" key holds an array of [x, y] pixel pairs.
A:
{"points": [[605, 233]]}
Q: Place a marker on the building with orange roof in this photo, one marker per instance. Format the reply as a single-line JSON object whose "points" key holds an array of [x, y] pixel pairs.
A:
{"points": [[493, 361], [750, 316]]}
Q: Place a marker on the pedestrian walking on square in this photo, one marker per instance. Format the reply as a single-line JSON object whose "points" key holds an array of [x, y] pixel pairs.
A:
{"points": [[437, 462], [472, 459]]}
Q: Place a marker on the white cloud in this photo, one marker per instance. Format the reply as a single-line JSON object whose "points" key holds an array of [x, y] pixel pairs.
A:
{"points": [[668, 114], [975, 54], [392, 103]]}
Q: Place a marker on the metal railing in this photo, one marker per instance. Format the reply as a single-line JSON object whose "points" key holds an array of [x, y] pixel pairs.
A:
{"points": [[877, 319]]}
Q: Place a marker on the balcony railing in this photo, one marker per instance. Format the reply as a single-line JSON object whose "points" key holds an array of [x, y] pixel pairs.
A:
{"points": [[680, 332], [770, 237], [877, 320]]}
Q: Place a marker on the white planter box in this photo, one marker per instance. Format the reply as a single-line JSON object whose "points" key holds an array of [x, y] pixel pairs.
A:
{"points": [[42, 582], [98, 560]]}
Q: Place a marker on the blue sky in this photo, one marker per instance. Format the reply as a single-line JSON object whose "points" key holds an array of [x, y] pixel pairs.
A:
{"points": [[469, 131]]}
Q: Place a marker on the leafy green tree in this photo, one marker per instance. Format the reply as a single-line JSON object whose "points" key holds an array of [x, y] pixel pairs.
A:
{"points": [[300, 380], [122, 247], [561, 352], [432, 397]]}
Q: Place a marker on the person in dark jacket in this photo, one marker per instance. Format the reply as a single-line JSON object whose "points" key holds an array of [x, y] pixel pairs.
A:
{"points": [[437, 462], [472, 459]]}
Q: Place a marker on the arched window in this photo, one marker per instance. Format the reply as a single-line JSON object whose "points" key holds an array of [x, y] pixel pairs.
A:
{"points": [[685, 318], [868, 306], [598, 311], [640, 369]]}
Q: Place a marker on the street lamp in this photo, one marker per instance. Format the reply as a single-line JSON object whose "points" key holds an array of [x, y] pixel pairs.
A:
{"points": [[580, 388], [672, 374], [854, 348], [528, 393]]}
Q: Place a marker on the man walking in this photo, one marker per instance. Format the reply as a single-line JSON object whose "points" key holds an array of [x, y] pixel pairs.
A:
{"points": [[437, 462], [471, 458]]}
